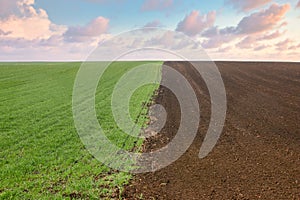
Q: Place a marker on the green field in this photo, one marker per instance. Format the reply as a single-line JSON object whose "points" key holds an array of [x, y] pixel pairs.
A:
{"points": [[41, 154]]}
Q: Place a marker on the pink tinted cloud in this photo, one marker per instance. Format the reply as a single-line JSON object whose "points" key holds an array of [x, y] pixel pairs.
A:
{"points": [[246, 43], [261, 47], [247, 5], [294, 47], [216, 37], [284, 45], [217, 41], [52, 49], [166, 40], [27, 33], [17, 8], [155, 23], [257, 22], [283, 24], [23, 20], [4, 33], [105, 1], [253, 41], [95, 28], [33, 27], [8, 7], [194, 23], [151, 5], [252, 28], [298, 4], [224, 50], [170, 40], [272, 36], [263, 20]]}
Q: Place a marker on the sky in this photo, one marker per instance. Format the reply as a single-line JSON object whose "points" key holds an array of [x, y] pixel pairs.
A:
{"points": [[67, 30]]}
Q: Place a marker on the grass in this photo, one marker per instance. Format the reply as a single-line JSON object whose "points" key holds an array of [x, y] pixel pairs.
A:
{"points": [[41, 155]]}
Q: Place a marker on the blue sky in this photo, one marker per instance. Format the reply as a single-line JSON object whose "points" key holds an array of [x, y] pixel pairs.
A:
{"points": [[126, 15], [226, 29]]}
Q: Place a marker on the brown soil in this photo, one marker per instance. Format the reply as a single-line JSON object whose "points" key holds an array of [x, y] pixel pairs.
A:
{"points": [[258, 154]]}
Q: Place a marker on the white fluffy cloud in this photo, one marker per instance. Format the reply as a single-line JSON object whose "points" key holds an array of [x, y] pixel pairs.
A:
{"points": [[27, 33], [21, 20]]}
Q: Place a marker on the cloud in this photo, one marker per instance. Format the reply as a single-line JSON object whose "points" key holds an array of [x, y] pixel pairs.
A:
{"points": [[17, 42], [4, 33], [25, 21], [155, 23], [247, 5], [261, 47], [165, 40], [263, 20], [217, 41], [257, 22], [225, 49], [246, 43], [22, 20], [19, 8], [105, 1], [152, 5], [294, 47], [53, 41], [284, 45], [194, 23], [95, 28], [27, 33], [271, 36], [252, 41], [170, 40], [248, 29], [51, 49], [216, 37], [211, 32], [26, 50], [12, 7], [30, 27], [283, 24], [298, 4]]}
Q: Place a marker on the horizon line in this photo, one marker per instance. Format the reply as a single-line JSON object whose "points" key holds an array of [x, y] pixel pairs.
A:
{"points": [[138, 60]]}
